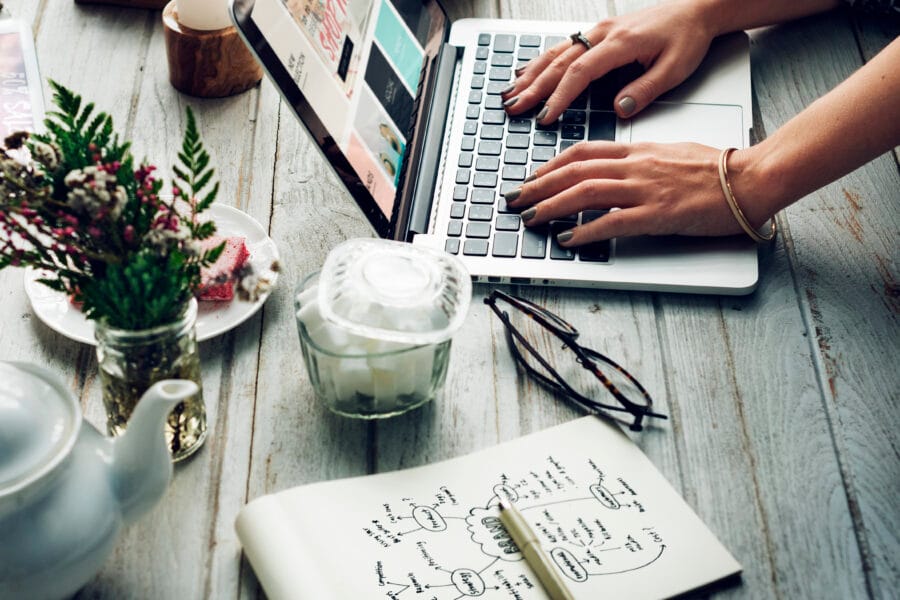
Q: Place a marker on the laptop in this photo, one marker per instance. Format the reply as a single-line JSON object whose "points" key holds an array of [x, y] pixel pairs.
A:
{"points": [[405, 106]]}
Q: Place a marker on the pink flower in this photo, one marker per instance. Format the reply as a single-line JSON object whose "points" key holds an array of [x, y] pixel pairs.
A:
{"points": [[128, 234]]}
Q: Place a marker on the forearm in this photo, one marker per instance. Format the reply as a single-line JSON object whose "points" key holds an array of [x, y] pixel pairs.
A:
{"points": [[724, 16], [854, 123]]}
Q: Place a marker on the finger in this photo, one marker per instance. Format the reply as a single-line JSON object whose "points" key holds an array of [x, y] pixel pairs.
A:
{"points": [[658, 79], [525, 96], [563, 180], [591, 65], [582, 151], [616, 223], [531, 71], [598, 194]]}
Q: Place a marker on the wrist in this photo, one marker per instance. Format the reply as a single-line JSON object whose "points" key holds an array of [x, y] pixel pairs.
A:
{"points": [[759, 184]]}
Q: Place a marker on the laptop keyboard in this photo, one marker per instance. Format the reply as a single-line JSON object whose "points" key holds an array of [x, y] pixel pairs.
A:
{"points": [[498, 152]]}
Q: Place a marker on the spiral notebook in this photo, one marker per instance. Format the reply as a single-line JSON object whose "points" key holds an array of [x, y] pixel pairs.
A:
{"points": [[609, 520]]}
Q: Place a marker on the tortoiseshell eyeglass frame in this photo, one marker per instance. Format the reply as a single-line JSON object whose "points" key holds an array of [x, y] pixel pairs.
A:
{"points": [[586, 357]]}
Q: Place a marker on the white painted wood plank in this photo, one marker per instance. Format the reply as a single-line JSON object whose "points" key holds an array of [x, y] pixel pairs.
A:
{"points": [[844, 247]]}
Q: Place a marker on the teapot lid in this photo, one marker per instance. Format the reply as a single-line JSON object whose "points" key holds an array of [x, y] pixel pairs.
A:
{"points": [[39, 421]]}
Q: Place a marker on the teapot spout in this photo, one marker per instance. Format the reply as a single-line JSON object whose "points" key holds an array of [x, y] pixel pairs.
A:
{"points": [[142, 467]]}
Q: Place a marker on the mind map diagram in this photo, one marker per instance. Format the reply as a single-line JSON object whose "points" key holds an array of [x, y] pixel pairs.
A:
{"points": [[443, 549]]}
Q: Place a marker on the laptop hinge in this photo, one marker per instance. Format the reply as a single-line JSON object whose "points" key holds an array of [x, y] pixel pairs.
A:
{"points": [[423, 186]]}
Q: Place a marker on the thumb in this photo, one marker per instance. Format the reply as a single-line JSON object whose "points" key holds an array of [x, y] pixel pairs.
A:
{"points": [[637, 95]]}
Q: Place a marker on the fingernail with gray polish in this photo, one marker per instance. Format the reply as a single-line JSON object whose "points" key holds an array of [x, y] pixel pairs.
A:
{"points": [[530, 178], [565, 236], [513, 194], [508, 89], [519, 71], [540, 116], [627, 104], [528, 215], [511, 101]]}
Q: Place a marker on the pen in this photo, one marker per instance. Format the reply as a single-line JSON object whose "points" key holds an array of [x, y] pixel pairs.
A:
{"points": [[535, 556]]}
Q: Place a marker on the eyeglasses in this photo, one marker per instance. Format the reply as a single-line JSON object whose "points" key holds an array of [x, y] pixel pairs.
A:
{"points": [[631, 396]]}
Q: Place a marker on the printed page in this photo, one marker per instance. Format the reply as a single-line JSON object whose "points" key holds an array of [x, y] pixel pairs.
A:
{"points": [[610, 522]]}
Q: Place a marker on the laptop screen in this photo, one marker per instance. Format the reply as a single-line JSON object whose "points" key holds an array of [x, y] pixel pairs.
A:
{"points": [[351, 71]]}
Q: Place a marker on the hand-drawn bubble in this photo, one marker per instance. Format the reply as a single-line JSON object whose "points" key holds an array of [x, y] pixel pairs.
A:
{"points": [[486, 530], [468, 582], [429, 519], [568, 564], [505, 492], [604, 496]]}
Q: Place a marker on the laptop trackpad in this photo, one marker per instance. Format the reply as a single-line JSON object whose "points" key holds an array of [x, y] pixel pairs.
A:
{"points": [[717, 125]]}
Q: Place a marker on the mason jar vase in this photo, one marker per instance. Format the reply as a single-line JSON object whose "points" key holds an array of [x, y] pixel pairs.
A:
{"points": [[130, 361]]}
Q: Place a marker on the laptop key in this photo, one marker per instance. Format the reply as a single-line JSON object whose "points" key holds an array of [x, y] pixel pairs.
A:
{"points": [[530, 41], [480, 212], [480, 67], [482, 53], [519, 125], [475, 97], [454, 228], [544, 138], [462, 176], [470, 128], [528, 53], [477, 82], [514, 173], [460, 192], [557, 252], [482, 196], [451, 246], [487, 163], [508, 186], [504, 43], [488, 148], [473, 111], [465, 159], [503, 208], [484, 39], [457, 210], [492, 132], [478, 230], [494, 102], [505, 244], [595, 251], [495, 87], [572, 132], [552, 40], [501, 60], [602, 126], [515, 157], [507, 222], [493, 117], [566, 144], [468, 144], [475, 248], [499, 74], [518, 140], [534, 242], [574, 117], [542, 153], [483, 179]]}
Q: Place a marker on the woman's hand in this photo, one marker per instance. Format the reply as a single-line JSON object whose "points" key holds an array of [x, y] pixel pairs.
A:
{"points": [[660, 189], [669, 40]]}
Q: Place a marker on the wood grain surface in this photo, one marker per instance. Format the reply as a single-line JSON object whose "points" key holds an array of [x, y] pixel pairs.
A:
{"points": [[783, 430]]}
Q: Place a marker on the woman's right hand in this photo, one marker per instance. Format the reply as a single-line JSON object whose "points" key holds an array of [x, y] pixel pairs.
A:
{"points": [[669, 40]]}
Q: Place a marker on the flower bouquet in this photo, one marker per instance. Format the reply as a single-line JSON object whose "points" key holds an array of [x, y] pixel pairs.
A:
{"points": [[74, 205]]}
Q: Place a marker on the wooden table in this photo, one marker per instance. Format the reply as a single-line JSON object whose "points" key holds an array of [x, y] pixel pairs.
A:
{"points": [[784, 419]]}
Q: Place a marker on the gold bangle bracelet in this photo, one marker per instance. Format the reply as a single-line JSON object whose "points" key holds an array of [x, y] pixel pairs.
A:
{"points": [[755, 235]]}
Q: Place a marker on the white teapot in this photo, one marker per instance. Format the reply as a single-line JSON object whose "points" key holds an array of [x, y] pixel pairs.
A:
{"points": [[65, 489]]}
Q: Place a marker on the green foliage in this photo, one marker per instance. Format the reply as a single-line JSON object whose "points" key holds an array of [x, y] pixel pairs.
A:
{"points": [[194, 174]]}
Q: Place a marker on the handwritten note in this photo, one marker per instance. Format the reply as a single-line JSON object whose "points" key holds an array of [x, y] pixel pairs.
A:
{"points": [[610, 522]]}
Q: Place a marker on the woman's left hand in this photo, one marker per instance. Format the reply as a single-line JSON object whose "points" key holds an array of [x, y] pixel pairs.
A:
{"points": [[659, 189]]}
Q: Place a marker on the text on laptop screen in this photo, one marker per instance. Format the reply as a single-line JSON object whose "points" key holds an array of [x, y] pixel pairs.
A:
{"points": [[357, 64]]}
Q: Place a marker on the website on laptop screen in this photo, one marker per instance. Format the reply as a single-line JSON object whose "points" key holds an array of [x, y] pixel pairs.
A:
{"points": [[357, 64]]}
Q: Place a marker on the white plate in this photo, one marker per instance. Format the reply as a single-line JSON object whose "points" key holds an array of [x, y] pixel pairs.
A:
{"points": [[213, 318]]}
